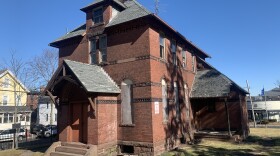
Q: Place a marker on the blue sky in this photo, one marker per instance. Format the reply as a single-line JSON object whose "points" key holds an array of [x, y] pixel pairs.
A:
{"points": [[242, 36]]}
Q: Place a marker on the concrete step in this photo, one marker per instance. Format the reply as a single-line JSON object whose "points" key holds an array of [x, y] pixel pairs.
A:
{"points": [[63, 154], [75, 145], [73, 150]]}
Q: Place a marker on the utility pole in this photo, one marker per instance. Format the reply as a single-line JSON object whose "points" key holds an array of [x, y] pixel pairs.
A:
{"points": [[156, 7], [252, 108], [15, 116]]}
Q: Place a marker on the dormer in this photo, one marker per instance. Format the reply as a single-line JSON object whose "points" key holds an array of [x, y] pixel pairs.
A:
{"points": [[101, 12]]}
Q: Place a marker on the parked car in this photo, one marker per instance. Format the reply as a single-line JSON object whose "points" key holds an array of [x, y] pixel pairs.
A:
{"points": [[48, 131], [8, 134], [36, 128]]}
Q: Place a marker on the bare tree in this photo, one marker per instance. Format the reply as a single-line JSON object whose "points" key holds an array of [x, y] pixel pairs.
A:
{"points": [[277, 83], [42, 67]]}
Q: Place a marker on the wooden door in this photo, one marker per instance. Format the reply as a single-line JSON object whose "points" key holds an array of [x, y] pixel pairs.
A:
{"points": [[77, 124]]}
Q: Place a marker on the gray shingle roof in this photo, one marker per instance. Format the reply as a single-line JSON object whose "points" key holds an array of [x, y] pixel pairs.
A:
{"points": [[100, 1], [273, 92], [11, 109], [133, 11], [76, 32], [92, 77], [212, 83]]}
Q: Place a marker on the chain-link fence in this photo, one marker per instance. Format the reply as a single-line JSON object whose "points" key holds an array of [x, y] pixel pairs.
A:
{"points": [[25, 139]]}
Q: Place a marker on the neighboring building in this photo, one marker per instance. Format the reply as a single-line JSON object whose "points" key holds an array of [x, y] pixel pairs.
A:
{"points": [[47, 113], [127, 79], [13, 93], [265, 105]]}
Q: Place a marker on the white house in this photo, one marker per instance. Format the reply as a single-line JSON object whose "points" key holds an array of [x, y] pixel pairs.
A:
{"points": [[47, 113], [13, 98], [270, 103]]}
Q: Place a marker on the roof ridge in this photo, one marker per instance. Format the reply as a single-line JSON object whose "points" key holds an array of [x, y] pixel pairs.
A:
{"points": [[141, 6]]}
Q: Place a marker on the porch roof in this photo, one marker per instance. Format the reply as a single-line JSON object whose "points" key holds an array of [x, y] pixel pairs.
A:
{"points": [[11, 109], [211, 83], [93, 78]]}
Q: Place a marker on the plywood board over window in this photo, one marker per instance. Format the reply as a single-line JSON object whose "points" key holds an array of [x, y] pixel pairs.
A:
{"points": [[126, 105]]}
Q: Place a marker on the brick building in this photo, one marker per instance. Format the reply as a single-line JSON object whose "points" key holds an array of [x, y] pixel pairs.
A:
{"points": [[129, 83]]}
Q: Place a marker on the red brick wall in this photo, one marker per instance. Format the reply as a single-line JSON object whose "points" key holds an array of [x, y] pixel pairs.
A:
{"points": [[165, 69], [107, 121], [75, 51], [125, 47]]}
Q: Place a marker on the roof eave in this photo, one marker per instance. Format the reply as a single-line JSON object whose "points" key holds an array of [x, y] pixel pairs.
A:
{"points": [[55, 44]]}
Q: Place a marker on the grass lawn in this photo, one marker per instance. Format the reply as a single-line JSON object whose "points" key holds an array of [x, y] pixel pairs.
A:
{"points": [[262, 141], [20, 152], [38, 151]]}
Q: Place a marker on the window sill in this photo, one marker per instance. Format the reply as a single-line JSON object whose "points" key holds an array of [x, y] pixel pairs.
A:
{"points": [[97, 24], [127, 125]]}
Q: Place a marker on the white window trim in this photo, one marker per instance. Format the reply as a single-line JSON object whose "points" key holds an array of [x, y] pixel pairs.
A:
{"points": [[6, 82], [7, 100]]}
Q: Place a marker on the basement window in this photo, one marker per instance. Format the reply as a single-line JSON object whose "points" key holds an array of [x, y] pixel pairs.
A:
{"points": [[126, 149]]}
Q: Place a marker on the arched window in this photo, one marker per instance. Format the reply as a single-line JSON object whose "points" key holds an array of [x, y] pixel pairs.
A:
{"points": [[126, 105], [164, 100], [187, 101]]}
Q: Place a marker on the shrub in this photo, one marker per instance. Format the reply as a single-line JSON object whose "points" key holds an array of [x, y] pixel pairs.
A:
{"points": [[265, 121], [272, 120]]}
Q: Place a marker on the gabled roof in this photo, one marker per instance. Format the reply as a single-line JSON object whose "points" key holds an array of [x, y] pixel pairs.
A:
{"points": [[78, 32], [133, 11], [91, 77], [211, 83], [4, 72], [274, 92]]}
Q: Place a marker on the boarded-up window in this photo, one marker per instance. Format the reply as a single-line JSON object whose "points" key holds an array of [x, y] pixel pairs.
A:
{"points": [[187, 101], [176, 100], [193, 63], [126, 105], [93, 51], [164, 101], [103, 48]]}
